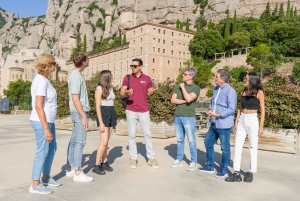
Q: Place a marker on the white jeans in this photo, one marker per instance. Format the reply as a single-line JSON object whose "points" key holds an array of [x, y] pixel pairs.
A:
{"points": [[247, 125], [144, 119]]}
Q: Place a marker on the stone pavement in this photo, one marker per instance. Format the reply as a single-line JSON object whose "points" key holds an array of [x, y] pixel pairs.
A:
{"points": [[278, 176]]}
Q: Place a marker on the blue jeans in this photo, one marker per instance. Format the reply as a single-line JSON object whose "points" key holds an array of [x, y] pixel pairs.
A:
{"points": [[77, 142], [185, 126], [44, 150], [210, 140]]}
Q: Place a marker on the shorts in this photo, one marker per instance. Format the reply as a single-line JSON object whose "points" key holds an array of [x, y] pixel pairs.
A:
{"points": [[109, 116]]}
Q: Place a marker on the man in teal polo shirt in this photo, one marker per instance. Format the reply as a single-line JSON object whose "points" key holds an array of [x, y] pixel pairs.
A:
{"points": [[185, 96]]}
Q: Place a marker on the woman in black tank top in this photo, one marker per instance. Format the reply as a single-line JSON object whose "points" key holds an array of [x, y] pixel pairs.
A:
{"points": [[246, 123]]}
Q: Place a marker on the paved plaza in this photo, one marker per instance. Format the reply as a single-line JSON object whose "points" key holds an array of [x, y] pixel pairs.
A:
{"points": [[278, 176]]}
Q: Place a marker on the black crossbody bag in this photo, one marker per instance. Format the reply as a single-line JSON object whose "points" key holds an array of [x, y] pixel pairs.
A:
{"points": [[124, 100]]}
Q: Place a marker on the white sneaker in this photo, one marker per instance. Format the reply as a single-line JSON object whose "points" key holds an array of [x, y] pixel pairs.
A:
{"points": [[192, 166], [82, 178], [70, 173], [176, 163]]}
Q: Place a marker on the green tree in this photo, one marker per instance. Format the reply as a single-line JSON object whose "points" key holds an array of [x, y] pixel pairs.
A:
{"points": [[295, 12], [78, 48], [214, 42], [257, 36], [124, 39], [260, 58], [296, 73], [227, 28], [178, 24], [19, 91], [197, 44], [275, 12], [187, 24], [202, 21], [266, 16], [211, 25], [288, 9], [84, 43], [234, 23], [281, 11], [239, 40], [293, 47]]}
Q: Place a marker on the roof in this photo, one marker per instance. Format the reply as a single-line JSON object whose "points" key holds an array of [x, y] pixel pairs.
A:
{"points": [[159, 25], [16, 68]]}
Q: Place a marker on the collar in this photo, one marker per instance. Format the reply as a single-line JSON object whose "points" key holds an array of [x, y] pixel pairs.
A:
{"points": [[189, 84], [136, 76]]}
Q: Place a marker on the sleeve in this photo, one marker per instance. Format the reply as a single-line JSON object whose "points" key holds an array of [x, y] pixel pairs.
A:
{"points": [[231, 101], [99, 88], [125, 81], [196, 90], [176, 90], [75, 85], [41, 88]]}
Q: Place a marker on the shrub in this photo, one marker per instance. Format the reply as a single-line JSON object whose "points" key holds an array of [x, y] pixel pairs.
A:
{"points": [[56, 16], [282, 100]]}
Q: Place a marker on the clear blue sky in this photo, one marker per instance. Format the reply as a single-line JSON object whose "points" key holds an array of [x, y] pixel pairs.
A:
{"points": [[25, 8]]}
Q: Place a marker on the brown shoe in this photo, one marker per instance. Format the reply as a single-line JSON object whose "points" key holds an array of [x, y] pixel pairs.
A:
{"points": [[152, 162], [133, 163]]}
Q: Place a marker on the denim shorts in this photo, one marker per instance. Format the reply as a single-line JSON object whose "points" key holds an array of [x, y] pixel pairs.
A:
{"points": [[109, 116]]}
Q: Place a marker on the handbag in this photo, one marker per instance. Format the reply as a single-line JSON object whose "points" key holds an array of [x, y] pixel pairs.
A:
{"points": [[124, 100]]}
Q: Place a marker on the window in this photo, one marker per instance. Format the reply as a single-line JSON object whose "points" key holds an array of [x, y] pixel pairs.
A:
{"points": [[172, 52], [134, 33], [158, 41], [153, 49], [179, 34], [153, 60], [141, 40], [163, 50], [180, 63], [172, 43], [141, 50], [153, 40], [158, 30], [179, 44], [133, 42], [172, 33], [141, 30], [26, 76], [153, 70], [164, 31], [184, 35], [183, 54], [154, 30], [158, 50], [13, 76], [164, 41], [133, 52], [168, 62]]}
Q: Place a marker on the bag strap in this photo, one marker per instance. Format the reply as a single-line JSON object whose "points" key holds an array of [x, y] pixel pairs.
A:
{"points": [[128, 85]]}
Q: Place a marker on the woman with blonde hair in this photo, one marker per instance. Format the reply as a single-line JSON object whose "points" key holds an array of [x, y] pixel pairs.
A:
{"points": [[246, 123], [106, 119], [44, 107]]}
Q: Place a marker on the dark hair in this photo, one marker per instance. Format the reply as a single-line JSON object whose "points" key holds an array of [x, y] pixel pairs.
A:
{"points": [[79, 58], [105, 82], [224, 75], [138, 60], [254, 83]]}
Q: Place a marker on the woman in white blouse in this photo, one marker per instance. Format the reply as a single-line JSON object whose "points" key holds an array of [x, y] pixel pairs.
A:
{"points": [[44, 107], [106, 119]]}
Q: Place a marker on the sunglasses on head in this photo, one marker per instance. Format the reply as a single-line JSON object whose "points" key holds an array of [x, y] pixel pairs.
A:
{"points": [[134, 66]]}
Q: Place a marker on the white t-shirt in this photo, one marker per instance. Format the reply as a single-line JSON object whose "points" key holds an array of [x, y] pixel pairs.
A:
{"points": [[41, 86], [109, 101]]}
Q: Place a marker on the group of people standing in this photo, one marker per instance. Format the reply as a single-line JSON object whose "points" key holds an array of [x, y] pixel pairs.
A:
{"points": [[137, 88]]}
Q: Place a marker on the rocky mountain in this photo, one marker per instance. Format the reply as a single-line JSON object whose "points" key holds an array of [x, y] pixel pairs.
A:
{"points": [[67, 21]]}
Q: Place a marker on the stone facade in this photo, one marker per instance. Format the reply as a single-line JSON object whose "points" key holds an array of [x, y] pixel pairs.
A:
{"points": [[21, 66], [162, 48]]}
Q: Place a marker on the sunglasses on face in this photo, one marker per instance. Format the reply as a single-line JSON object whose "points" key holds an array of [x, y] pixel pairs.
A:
{"points": [[54, 63], [134, 66]]}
